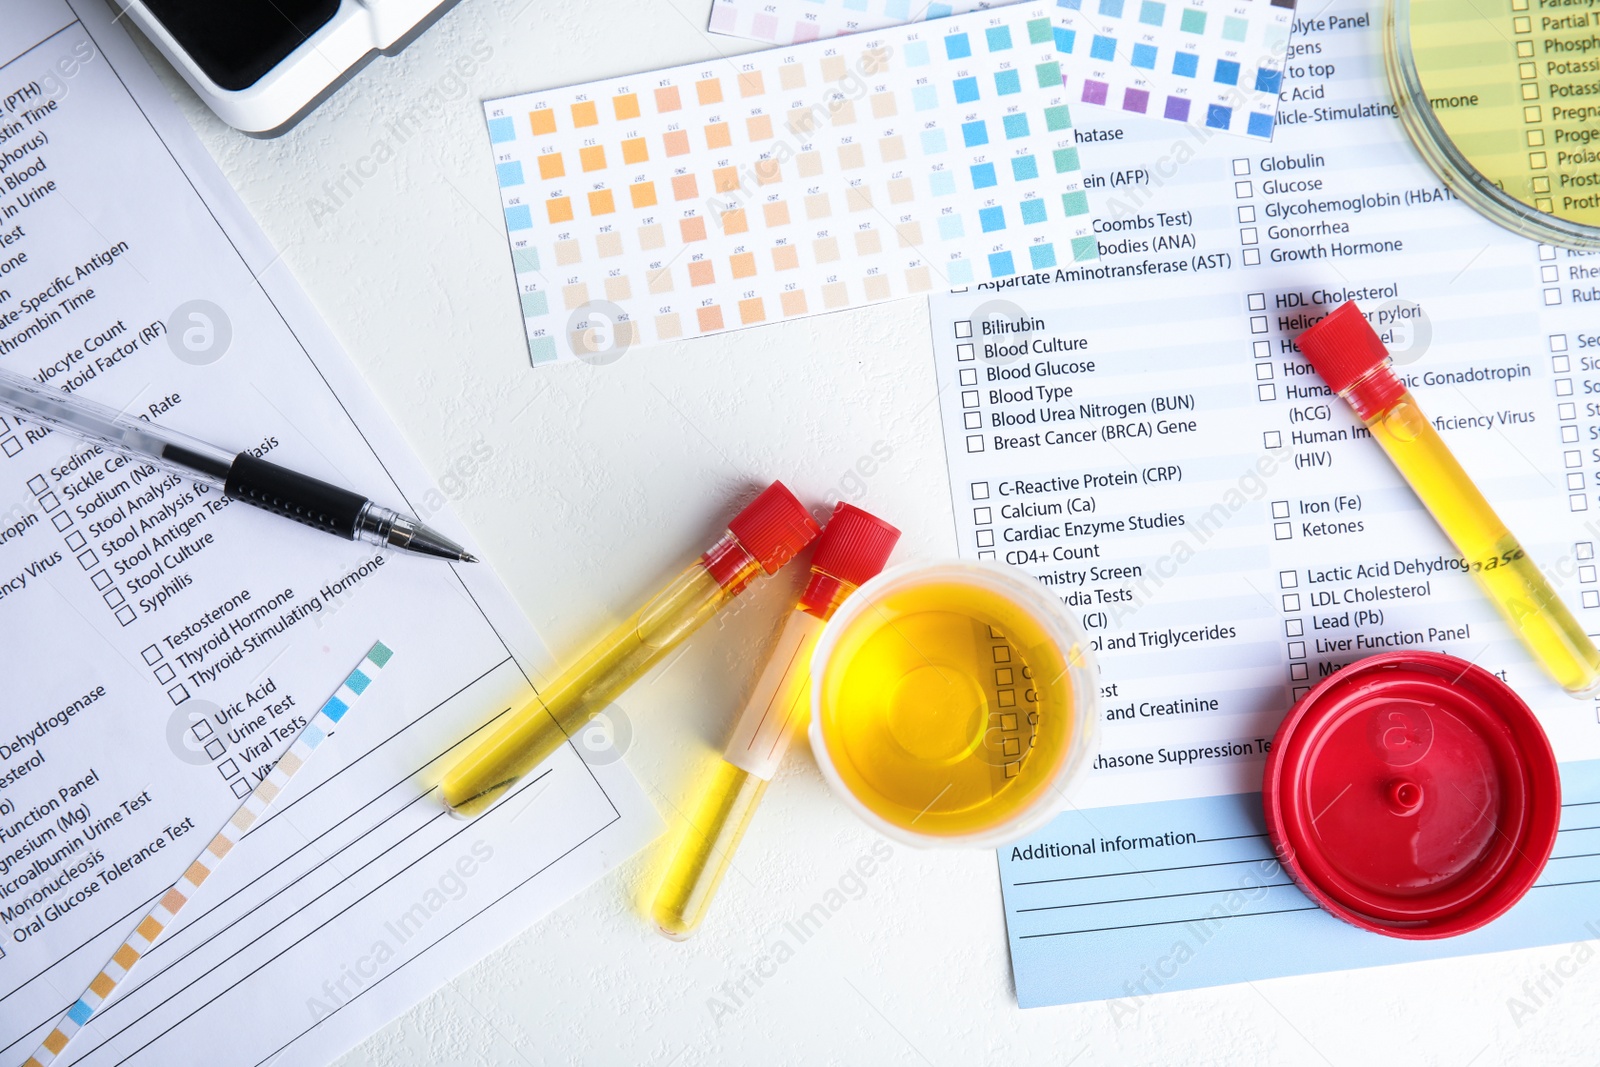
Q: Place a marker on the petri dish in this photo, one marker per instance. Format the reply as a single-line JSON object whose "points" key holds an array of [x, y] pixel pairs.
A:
{"points": [[954, 703], [1502, 99]]}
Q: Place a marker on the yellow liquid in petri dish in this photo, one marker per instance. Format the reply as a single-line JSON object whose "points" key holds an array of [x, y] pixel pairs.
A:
{"points": [[1509, 84], [948, 710]]}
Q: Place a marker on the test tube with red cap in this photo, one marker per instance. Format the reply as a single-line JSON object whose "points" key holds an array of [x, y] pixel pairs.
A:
{"points": [[1351, 358], [853, 548], [760, 539]]}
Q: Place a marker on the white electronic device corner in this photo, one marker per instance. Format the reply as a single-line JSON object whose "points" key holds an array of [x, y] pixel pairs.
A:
{"points": [[263, 67]]}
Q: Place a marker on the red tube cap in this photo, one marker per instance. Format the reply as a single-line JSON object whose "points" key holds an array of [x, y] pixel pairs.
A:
{"points": [[1343, 347], [774, 527], [855, 545], [1412, 794]]}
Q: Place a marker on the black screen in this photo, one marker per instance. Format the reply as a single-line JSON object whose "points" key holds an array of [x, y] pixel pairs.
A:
{"points": [[235, 42]]}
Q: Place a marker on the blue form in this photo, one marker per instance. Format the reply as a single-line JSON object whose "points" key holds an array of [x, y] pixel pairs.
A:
{"points": [[508, 173], [983, 176], [1186, 64], [974, 133], [925, 97], [1103, 48], [942, 182], [1065, 39], [916, 53], [1024, 168], [1227, 72], [1219, 892], [1007, 82], [1032, 211], [950, 227], [991, 219], [519, 218], [998, 38], [932, 142], [1219, 117], [1260, 124], [966, 90], [1268, 81], [502, 130], [1001, 264], [956, 46], [1042, 256], [1016, 125], [1144, 55]]}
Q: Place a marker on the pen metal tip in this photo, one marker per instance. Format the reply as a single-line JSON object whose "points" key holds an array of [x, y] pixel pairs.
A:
{"points": [[468, 557]]}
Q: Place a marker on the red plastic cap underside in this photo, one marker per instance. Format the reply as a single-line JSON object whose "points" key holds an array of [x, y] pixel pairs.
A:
{"points": [[1343, 347], [854, 545], [1413, 794], [774, 527]]}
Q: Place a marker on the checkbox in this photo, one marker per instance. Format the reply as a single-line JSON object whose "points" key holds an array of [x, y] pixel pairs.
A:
{"points": [[1006, 676], [987, 553], [1243, 190], [215, 747], [1561, 364], [1288, 579], [1007, 698], [1258, 324], [969, 398], [165, 673], [966, 353], [37, 484], [1572, 458], [1569, 435], [87, 558], [1584, 550], [1578, 502], [11, 446], [61, 520], [1563, 387], [1251, 257], [980, 490], [1257, 301], [1267, 392], [178, 694], [125, 616], [1294, 627], [114, 598], [101, 580], [1272, 439], [1549, 274], [1591, 598], [1280, 509], [1297, 650], [241, 788], [49, 502], [152, 655], [985, 538], [964, 328], [227, 768], [75, 540], [971, 420], [1241, 167], [1545, 251], [968, 376], [1558, 342], [1300, 691], [1552, 297], [1002, 654], [1263, 372], [982, 516], [1282, 531], [1249, 236], [975, 442], [1299, 672], [1586, 574], [201, 730], [1261, 349], [1566, 411], [1247, 212], [1008, 720]]}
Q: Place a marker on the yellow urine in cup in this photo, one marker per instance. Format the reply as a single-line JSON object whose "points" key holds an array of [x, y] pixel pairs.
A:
{"points": [[946, 709]]}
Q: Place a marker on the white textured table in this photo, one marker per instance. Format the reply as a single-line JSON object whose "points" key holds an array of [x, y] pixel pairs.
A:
{"points": [[600, 482]]}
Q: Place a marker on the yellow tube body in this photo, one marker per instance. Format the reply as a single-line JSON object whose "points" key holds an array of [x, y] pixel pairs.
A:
{"points": [[527, 736], [1503, 569], [715, 828]]}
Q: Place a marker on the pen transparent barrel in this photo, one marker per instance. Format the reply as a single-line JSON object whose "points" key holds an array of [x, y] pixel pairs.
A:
{"points": [[1502, 568], [530, 734], [703, 856]]}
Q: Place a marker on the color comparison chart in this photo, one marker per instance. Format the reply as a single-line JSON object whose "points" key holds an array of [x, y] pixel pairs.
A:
{"points": [[1215, 63], [170, 903], [791, 182]]}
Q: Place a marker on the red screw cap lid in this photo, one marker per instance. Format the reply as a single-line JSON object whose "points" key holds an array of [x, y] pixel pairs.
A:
{"points": [[1413, 794], [774, 527], [855, 545], [1345, 349]]}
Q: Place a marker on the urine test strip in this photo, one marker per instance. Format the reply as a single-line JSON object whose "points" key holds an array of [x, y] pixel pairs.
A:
{"points": [[1213, 63], [787, 183], [150, 928]]}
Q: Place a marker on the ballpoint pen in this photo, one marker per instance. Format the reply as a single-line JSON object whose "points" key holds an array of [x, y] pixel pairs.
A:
{"points": [[240, 476]]}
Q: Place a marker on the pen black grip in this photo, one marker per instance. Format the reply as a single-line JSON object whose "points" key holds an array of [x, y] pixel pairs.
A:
{"points": [[295, 496]]}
